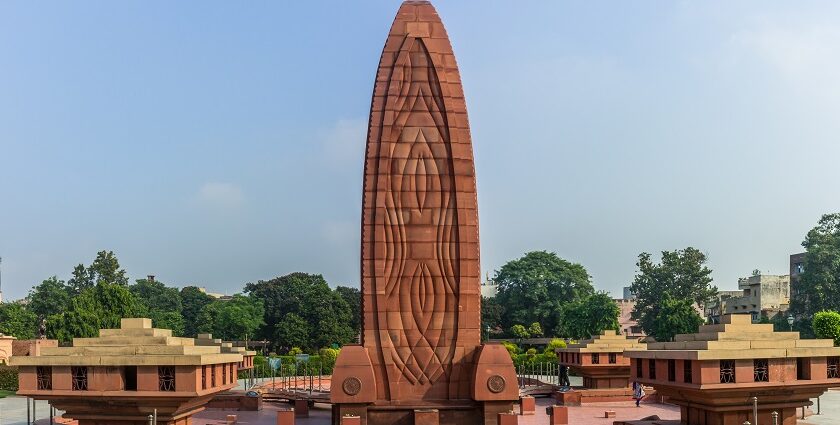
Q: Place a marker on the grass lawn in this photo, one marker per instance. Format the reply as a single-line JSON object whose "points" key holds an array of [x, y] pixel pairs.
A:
{"points": [[5, 393]]}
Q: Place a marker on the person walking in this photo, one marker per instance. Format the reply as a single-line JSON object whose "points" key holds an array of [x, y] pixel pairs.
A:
{"points": [[638, 393], [564, 376]]}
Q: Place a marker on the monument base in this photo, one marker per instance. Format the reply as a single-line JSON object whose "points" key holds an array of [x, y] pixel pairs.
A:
{"points": [[449, 412]]}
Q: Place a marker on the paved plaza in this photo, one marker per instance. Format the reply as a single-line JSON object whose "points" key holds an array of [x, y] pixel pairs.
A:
{"points": [[13, 412]]}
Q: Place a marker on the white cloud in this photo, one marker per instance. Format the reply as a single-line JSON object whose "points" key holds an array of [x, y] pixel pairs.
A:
{"points": [[345, 141], [221, 195]]}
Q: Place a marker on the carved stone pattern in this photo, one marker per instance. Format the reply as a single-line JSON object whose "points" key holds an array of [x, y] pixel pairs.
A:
{"points": [[418, 199], [351, 385], [496, 384]]}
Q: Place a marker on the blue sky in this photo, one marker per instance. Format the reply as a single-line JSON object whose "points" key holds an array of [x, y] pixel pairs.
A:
{"points": [[217, 143]]}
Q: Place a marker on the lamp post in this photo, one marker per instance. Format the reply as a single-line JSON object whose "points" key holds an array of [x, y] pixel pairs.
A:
{"points": [[488, 333], [790, 322]]}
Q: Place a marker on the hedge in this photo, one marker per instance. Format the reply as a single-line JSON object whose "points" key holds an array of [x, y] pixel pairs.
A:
{"points": [[8, 378]]}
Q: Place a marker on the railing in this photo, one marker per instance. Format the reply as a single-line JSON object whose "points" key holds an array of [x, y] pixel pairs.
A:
{"points": [[535, 374]]}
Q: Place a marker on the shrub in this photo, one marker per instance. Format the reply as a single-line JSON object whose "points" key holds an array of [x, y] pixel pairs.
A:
{"points": [[512, 348], [826, 324], [553, 345], [8, 378], [295, 351]]}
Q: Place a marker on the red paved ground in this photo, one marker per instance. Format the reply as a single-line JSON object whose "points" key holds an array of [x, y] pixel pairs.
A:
{"points": [[588, 415]]}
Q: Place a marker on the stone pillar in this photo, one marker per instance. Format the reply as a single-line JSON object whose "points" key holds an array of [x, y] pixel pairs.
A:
{"points": [[558, 415], [286, 417], [527, 405], [301, 408], [508, 418]]}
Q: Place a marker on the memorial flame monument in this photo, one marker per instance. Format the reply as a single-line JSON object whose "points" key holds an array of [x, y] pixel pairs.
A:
{"points": [[421, 354]]}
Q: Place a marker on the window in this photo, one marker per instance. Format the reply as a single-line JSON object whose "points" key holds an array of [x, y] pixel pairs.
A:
{"points": [[833, 368], [727, 371], [672, 370], [44, 374], [760, 370], [230, 370], [803, 369], [638, 367], [212, 376], [612, 358], [687, 378], [224, 373], [166, 378], [596, 358], [79, 377], [652, 368], [130, 376], [204, 377]]}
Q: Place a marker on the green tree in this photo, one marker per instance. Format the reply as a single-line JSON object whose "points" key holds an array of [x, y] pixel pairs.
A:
{"points": [[826, 325], [353, 298], [232, 319], [326, 316], [292, 331], [819, 283], [81, 280], [673, 317], [589, 316], [98, 307], [52, 296], [534, 288], [193, 301], [535, 330], [18, 321], [162, 304], [681, 275], [519, 331], [491, 316]]}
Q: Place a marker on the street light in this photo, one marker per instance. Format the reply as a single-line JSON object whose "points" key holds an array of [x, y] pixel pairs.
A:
{"points": [[790, 322], [488, 333]]}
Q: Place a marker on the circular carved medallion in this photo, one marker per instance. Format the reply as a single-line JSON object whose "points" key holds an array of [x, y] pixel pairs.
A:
{"points": [[351, 385], [496, 384]]}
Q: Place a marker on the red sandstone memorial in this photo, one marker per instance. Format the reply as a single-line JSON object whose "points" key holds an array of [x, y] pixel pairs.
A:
{"points": [[714, 374], [604, 366], [420, 358], [122, 376]]}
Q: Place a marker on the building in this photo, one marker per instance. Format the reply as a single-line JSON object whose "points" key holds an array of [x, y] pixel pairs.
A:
{"points": [[489, 289], [629, 326], [628, 293], [602, 363], [763, 295], [716, 308], [714, 374], [126, 374]]}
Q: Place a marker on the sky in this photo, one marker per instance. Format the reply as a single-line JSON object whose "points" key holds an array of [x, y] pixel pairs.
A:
{"points": [[216, 143]]}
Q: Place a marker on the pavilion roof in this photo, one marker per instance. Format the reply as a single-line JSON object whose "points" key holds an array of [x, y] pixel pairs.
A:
{"points": [[738, 338], [135, 343]]}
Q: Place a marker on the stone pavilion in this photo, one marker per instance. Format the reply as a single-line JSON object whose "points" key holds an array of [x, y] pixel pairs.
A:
{"points": [[122, 376], [604, 366], [714, 374]]}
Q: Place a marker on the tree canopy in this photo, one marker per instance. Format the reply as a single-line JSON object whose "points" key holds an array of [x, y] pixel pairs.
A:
{"points": [[819, 283], [681, 277], [234, 319], [324, 314], [589, 316], [535, 288]]}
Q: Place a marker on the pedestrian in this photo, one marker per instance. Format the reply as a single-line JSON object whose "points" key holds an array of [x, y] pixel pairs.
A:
{"points": [[638, 393], [564, 376]]}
